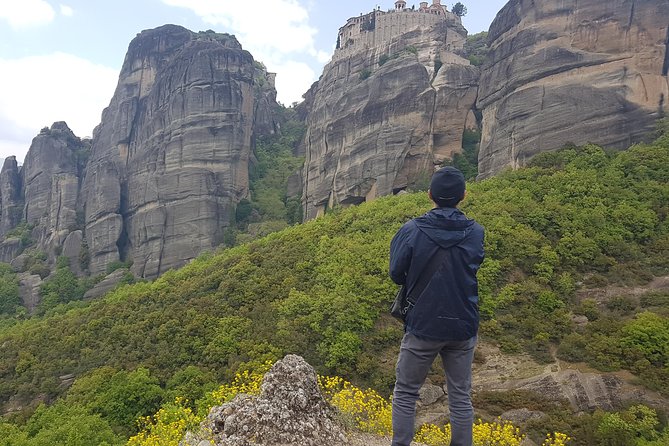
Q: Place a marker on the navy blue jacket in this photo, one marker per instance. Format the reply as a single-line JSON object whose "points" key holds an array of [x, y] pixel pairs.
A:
{"points": [[448, 307]]}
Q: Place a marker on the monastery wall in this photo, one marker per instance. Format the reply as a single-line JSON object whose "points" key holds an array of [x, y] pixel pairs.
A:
{"points": [[387, 26]]}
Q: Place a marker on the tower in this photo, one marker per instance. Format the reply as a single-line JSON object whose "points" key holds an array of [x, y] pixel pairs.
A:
{"points": [[437, 8], [400, 5]]}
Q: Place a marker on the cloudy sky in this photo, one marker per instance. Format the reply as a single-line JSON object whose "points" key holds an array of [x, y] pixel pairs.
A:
{"points": [[60, 59]]}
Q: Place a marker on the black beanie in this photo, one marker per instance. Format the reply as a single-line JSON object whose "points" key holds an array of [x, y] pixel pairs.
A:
{"points": [[447, 187]]}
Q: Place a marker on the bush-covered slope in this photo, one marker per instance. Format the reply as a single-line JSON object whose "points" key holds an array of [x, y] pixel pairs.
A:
{"points": [[578, 217]]}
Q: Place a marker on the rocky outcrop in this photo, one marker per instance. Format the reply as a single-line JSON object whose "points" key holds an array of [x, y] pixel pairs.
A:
{"points": [[170, 159], [75, 250], [50, 182], [29, 285], [9, 249], [391, 104], [110, 282], [559, 382], [290, 411], [573, 71], [11, 206]]}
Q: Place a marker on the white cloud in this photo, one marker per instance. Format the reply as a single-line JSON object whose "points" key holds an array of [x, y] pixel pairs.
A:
{"points": [[9, 148], [323, 56], [26, 13], [66, 10], [274, 31], [296, 78], [37, 91]]}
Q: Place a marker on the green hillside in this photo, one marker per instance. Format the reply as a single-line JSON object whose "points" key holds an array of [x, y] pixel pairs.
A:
{"points": [[579, 217]]}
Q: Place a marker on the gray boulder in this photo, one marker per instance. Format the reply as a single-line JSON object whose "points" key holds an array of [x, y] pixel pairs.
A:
{"points": [[107, 284], [290, 411]]}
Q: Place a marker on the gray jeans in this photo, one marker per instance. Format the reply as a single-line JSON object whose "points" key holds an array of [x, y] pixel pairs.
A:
{"points": [[415, 359]]}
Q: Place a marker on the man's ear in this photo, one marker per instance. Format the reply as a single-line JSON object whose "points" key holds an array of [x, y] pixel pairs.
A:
{"points": [[429, 194]]}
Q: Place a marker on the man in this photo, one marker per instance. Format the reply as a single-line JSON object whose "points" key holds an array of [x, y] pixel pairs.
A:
{"points": [[445, 318]]}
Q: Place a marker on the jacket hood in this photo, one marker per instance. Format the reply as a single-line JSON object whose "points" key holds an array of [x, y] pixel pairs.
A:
{"points": [[446, 227]]}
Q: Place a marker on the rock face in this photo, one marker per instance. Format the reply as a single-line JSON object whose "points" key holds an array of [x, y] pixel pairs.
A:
{"points": [[29, 290], [559, 382], [165, 169], [10, 195], [391, 104], [160, 180], [290, 411], [572, 71], [107, 284], [170, 159], [9, 249], [50, 182]]}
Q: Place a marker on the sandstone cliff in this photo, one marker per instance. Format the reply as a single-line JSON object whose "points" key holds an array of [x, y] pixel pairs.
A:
{"points": [[572, 71], [166, 166], [10, 195], [170, 159], [50, 184], [392, 103]]}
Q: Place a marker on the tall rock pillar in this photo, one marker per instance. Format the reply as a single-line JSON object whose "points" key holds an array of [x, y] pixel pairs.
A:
{"points": [[170, 160], [11, 206]]}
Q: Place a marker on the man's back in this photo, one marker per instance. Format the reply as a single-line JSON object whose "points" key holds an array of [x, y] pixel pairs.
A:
{"points": [[447, 309]]}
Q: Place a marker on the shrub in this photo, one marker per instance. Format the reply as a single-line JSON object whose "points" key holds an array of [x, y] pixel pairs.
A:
{"points": [[167, 427], [118, 264], [500, 433], [622, 305], [61, 287], [10, 300], [655, 299], [437, 65]]}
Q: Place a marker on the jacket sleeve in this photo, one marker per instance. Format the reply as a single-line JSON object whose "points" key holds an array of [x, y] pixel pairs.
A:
{"points": [[479, 251], [481, 244], [400, 254]]}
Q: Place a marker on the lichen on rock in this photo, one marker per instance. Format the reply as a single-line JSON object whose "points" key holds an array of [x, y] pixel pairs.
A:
{"points": [[290, 411]]}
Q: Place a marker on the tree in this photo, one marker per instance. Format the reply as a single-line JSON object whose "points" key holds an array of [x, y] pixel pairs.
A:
{"points": [[9, 290], [119, 397], [459, 9], [61, 287], [63, 424]]}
